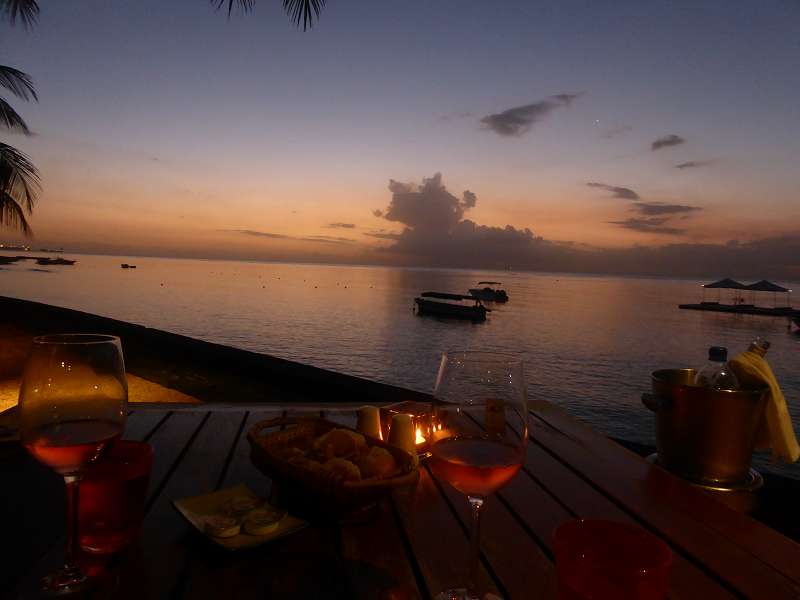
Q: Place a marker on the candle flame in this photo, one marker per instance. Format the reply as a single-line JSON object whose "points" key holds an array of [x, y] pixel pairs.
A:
{"points": [[420, 439]]}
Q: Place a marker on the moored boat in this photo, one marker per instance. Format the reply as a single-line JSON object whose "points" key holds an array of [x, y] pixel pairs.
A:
{"points": [[54, 261], [489, 293], [470, 312]]}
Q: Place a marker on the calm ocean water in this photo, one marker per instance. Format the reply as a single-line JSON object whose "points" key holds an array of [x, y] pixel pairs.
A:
{"points": [[590, 342]]}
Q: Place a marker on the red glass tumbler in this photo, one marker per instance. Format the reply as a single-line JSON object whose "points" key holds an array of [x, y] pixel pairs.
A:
{"points": [[604, 560], [112, 495]]}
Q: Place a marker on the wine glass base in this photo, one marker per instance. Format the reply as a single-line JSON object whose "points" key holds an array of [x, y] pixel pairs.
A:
{"points": [[65, 583], [456, 594]]}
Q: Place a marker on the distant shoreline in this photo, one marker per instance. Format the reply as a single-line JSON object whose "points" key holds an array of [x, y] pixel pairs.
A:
{"points": [[498, 272]]}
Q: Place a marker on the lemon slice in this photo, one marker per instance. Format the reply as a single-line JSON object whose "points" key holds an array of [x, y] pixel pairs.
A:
{"points": [[221, 526], [262, 522]]}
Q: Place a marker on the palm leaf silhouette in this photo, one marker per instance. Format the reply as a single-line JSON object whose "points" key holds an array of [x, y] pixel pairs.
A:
{"points": [[27, 11], [303, 12], [18, 83], [19, 188]]}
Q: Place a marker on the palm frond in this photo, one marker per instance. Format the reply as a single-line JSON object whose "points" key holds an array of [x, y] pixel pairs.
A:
{"points": [[12, 215], [303, 11], [19, 177], [10, 119], [26, 11], [242, 5], [18, 83]]}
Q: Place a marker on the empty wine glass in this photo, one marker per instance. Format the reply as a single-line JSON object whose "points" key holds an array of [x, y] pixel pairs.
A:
{"points": [[72, 406], [480, 435]]}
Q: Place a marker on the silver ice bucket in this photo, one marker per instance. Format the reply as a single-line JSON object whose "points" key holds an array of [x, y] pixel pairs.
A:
{"points": [[703, 435]]}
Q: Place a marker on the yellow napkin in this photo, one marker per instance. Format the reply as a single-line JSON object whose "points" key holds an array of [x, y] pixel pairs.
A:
{"points": [[776, 430]]}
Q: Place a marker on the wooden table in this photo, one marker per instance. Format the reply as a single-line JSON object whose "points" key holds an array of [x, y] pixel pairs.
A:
{"points": [[414, 544]]}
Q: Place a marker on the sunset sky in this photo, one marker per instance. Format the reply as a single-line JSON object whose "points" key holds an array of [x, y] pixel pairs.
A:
{"points": [[164, 128]]}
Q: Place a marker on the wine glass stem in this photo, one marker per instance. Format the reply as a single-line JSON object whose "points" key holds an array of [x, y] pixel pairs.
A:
{"points": [[474, 545], [71, 549]]}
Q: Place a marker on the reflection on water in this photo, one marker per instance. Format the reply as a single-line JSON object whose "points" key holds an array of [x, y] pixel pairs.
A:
{"points": [[590, 342]]}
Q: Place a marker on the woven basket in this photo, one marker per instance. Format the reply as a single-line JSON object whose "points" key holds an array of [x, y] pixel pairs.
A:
{"points": [[328, 493]]}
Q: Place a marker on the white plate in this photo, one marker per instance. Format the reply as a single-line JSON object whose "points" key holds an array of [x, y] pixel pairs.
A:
{"points": [[197, 508]]}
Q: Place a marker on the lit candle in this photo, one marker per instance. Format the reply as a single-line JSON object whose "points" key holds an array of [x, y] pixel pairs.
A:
{"points": [[369, 421], [401, 434]]}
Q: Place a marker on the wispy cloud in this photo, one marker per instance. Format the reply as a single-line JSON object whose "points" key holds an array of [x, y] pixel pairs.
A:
{"points": [[518, 120], [265, 234], [326, 238], [667, 141], [384, 235], [649, 225], [279, 236], [341, 226], [615, 190], [694, 164], [661, 208]]}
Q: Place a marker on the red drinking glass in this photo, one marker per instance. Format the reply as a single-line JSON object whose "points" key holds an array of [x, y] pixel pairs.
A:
{"points": [[112, 495], [604, 560]]}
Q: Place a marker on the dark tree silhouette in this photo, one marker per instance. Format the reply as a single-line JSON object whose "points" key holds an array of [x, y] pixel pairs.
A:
{"points": [[19, 179]]}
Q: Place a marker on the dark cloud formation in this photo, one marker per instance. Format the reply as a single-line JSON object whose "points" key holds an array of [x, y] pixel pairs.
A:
{"points": [[667, 141], [341, 226], [279, 236], [615, 191], [436, 230], [649, 225], [459, 242], [661, 208], [518, 120], [654, 215], [427, 207], [694, 164]]}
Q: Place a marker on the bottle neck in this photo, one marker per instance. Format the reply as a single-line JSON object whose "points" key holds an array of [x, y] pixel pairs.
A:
{"points": [[759, 350]]}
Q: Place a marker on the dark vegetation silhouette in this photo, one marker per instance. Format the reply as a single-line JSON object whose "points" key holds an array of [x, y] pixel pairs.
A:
{"points": [[19, 178], [20, 182]]}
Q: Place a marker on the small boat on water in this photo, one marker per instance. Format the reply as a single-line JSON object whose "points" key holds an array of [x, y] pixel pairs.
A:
{"points": [[471, 312], [54, 261], [127, 266], [489, 293]]}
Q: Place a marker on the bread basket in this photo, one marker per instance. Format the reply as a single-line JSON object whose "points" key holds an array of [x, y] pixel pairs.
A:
{"points": [[321, 492]]}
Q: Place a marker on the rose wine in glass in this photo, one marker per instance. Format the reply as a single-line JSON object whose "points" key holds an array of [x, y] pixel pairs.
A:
{"points": [[480, 436], [72, 406]]}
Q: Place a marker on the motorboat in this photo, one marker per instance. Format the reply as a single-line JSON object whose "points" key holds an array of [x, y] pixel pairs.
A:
{"points": [[489, 293], [430, 303], [54, 261]]}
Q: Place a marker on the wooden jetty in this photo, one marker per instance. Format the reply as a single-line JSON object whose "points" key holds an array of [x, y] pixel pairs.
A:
{"points": [[740, 306], [745, 309]]}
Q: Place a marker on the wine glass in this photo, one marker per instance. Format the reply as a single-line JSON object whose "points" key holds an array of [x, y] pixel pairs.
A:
{"points": [[479, 433], [72, 406]]}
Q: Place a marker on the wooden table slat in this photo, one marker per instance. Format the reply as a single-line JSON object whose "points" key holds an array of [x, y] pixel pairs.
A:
{"points": [[165, 539], [756, 539], [412, 546], [515, 556], [378, 542], [274, 570], [630, 484], [687, 581], [141, 424]]}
